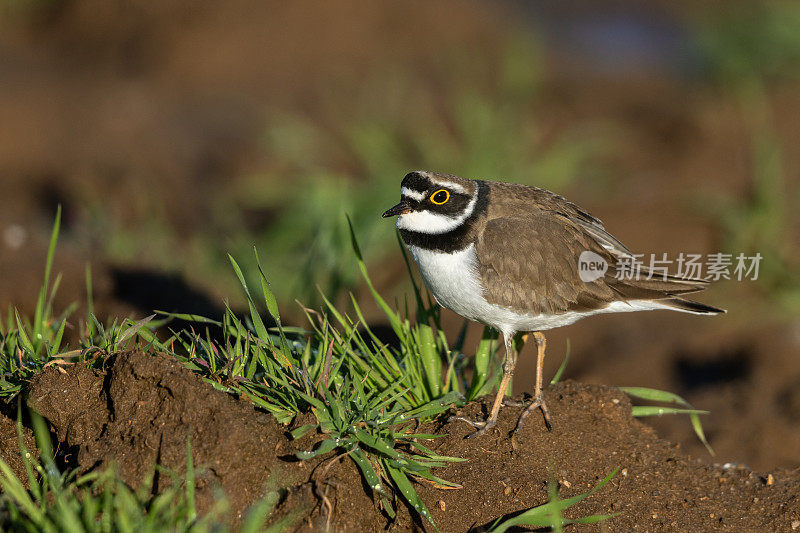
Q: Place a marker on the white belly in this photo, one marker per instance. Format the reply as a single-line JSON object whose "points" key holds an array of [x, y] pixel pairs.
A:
{"points": [[454, 281]]}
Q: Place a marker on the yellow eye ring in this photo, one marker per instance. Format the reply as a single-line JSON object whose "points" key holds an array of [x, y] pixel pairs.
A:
{"points": [[438, 201]]}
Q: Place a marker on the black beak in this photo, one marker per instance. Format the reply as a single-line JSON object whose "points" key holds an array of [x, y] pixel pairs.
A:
{"points": [[400, 209]]}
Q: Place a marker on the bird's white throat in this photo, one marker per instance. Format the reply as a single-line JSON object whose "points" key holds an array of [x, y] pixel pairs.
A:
{"points": [[434, 223]]}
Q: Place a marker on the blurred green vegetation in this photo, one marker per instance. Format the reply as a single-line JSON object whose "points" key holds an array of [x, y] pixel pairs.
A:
{"points": [[344, 145], [750, 39], [473, 115], [25, 7], [763, 221], [748, 50], [478, 120]]}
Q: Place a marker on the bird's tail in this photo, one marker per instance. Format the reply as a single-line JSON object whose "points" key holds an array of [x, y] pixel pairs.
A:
{"points": [[690, 306]]}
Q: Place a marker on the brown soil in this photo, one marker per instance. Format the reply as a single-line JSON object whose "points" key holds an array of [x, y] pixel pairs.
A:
{"points": [[9, 442], [657, 488], [140, 410]]}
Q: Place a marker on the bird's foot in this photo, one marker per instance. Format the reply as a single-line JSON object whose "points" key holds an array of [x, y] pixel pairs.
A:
{"points": [[482, 426], [538, 402]]}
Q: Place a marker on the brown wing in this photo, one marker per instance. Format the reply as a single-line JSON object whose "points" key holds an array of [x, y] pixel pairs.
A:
{"points": [[519, 201], [531, 264]]}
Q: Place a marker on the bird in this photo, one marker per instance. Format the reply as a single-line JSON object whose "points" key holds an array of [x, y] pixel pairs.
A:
{"points": [[522, 259]]}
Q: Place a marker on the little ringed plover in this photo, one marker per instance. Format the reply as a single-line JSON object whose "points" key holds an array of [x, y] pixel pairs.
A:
{"points": [[507, 255]]}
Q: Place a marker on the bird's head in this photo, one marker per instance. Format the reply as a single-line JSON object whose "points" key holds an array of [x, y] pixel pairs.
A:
{"points": [[433, 203]]}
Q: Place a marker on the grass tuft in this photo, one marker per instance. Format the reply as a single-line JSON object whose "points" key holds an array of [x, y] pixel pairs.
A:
{"points": [[550, 514]]}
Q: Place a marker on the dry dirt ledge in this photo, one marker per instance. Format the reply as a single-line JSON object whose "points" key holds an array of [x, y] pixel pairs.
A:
{"points": [[141, 408]]}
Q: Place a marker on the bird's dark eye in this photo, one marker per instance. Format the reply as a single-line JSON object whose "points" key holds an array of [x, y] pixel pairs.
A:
{"points": [[440, 197]]}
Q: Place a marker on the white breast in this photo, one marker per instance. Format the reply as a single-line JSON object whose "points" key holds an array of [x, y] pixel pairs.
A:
{"points": [[454, 281]]}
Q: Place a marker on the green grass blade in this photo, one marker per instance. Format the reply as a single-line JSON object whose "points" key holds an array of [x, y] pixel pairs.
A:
{"points": [[555, 516], [89, 297], [698, 430], [323, 448], [542, 516], [414, 286], [133, 329], [23, 336], [56, 346], [15, 490], [189, 318], [258, 324], [407, 491], [191, 511], [367, 470], [561, 368], [483, 362], [394, 319], [434, 407], [430, 454], [431, 362], [655, 395], [42, 435], [655, 410], [376, 443], [68, 520], [39, 316], [303, 430], [269, 297]]}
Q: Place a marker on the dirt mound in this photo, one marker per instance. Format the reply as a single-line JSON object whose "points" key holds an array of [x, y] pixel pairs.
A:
{"points": [[657, 488], [140, 412]]}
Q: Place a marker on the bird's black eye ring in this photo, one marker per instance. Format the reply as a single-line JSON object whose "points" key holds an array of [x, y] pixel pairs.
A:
{"points": [[440, 197]]}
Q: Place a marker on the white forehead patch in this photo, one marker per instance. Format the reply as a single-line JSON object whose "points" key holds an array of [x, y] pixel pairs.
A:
{"points": [[434, 223], [411, 193]]}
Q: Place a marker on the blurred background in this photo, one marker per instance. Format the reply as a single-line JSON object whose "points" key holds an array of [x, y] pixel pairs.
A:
{"points": [[175, 132]]}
